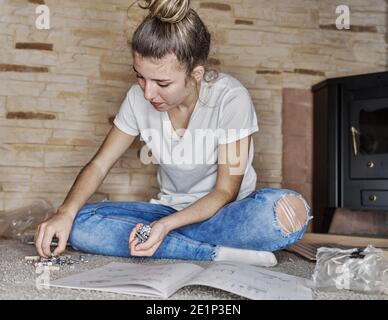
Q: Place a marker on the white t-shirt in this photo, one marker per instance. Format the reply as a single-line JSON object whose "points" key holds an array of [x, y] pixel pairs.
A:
{"points": [[224, 113]]}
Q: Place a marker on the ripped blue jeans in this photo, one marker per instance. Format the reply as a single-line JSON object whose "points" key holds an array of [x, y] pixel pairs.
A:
{"points": [[250, 223]]}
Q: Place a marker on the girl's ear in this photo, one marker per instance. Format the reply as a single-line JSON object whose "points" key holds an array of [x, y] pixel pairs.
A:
{"points": [[198, 73]]}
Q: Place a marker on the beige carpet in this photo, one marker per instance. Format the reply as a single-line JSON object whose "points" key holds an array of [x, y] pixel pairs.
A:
{"points": [[18, 278]]}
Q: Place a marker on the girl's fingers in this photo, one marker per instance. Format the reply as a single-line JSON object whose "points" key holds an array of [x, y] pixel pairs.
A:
{"points": [[132, 244], [148, 252], [38, 241], [62, 241], [47, 238]]}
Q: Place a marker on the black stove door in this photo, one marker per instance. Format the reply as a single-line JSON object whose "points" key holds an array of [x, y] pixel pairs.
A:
{"points": [[368, 139]]}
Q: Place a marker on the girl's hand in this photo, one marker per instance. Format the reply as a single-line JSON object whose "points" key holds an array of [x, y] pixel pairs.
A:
{"points": [[148, 248], [59, 225]]}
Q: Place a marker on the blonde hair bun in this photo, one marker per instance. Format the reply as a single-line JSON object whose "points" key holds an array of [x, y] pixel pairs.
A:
{"points": [[172, 11]]}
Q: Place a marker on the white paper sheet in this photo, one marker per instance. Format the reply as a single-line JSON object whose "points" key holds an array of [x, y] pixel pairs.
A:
{"points": [[164, 280], [254, 282]]}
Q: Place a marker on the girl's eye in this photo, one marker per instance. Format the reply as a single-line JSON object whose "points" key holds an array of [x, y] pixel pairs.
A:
{"points": [[160, 85]]}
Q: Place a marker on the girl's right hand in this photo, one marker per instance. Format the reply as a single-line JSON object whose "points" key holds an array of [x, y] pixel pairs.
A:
{"points": [[59, 225]]}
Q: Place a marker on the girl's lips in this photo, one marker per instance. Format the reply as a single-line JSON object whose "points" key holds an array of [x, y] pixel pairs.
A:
{"points": [[156, 105]]}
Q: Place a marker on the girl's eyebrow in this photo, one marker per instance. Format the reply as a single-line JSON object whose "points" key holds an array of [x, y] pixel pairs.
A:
{"points": [[159, 80]]}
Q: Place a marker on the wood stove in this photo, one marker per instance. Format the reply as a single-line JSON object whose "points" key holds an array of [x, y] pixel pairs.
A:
{"points": [[350, 146]]}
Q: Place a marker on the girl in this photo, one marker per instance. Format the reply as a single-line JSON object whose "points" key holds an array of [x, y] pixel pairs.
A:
{"points": [[198, 126]]}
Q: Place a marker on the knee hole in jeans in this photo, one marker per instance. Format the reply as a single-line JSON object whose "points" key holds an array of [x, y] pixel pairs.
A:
{"points": [[292, 213]]}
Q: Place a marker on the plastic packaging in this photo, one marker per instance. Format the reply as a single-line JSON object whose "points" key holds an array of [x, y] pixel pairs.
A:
{"points": [[362, 270], [19, 223]]}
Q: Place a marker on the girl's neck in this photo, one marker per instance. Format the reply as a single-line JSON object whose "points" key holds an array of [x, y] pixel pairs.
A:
{"points": [[188, 105]]}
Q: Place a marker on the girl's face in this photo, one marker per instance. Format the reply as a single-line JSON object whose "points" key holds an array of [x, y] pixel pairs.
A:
{"points": [[164, 82]]}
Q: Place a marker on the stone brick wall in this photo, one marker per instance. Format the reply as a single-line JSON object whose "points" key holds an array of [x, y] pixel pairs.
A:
{"points": [[60, 88], [297, 129]]}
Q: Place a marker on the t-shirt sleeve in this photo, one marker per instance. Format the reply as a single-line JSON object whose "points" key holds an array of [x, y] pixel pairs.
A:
{"points": [[125, 119], [238, 117]]}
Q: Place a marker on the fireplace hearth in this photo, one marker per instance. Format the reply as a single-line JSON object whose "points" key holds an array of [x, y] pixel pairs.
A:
{"points": [[350, 146]]}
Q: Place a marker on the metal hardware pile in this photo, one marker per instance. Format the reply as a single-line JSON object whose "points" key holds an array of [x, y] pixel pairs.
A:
{"points": [[143, 233], [53, 263]]}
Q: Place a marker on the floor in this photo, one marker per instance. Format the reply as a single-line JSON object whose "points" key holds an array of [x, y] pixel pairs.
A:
{"points": [[18, 278]]}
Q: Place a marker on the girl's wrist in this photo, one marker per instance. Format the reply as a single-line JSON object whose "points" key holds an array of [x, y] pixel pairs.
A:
{"points": [[167, 223]]}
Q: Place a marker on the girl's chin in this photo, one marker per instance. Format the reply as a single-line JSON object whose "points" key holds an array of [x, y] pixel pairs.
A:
{"points": [[162, 107], [159, 108]]}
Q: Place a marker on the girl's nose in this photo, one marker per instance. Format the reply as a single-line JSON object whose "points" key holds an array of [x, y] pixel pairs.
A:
{"points": [[149, 92]]}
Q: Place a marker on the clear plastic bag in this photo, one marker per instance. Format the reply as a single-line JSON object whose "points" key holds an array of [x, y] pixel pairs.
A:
{"points": [[362, 270], [18, 223]]}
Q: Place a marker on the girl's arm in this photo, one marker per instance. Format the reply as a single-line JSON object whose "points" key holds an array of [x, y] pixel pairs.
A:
{"points": [[232, 161], [86, 183]]}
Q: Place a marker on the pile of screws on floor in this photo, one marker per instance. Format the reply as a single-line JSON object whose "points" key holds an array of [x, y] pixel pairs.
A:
{"points": [[54, 263]]}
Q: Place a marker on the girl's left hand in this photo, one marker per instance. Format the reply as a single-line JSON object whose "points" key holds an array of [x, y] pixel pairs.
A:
{"points": [[148, 248]]}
